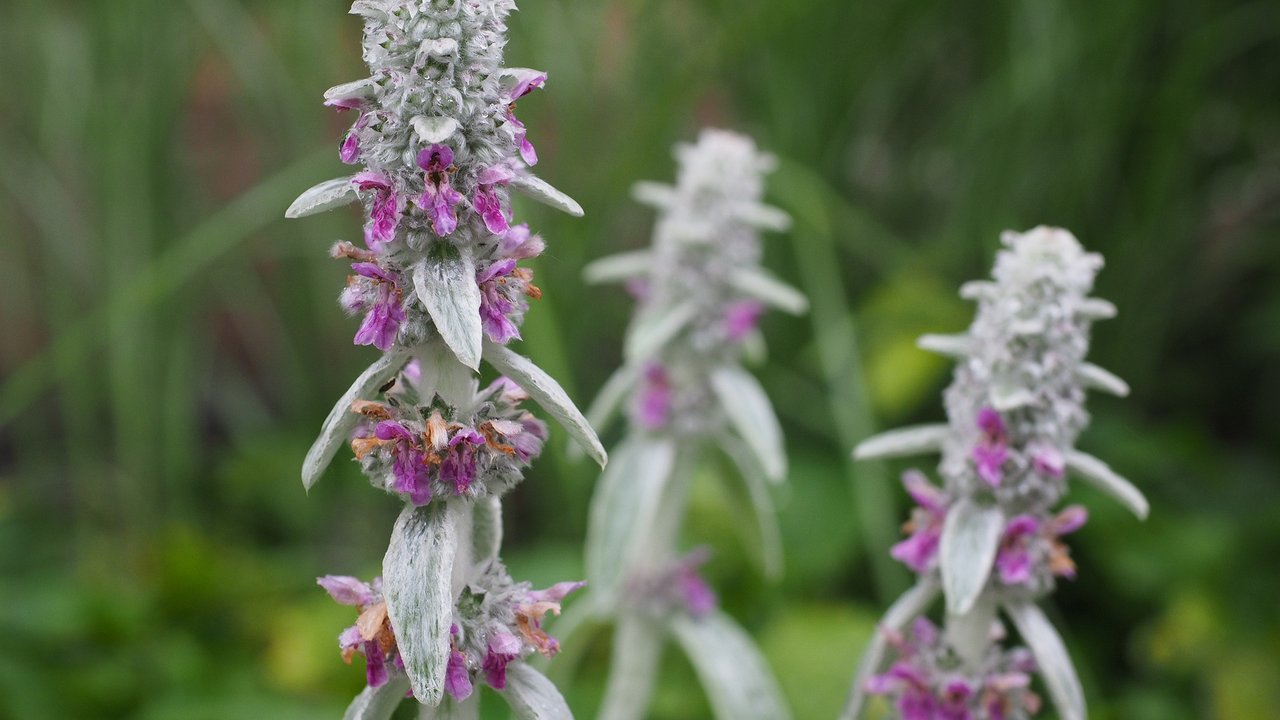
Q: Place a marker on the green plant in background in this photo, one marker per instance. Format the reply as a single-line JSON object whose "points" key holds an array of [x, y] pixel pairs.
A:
{"points": [[700, 292], [989, 540], [439, 287]]}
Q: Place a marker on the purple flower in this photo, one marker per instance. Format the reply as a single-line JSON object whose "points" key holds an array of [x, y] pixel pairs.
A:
{"points": [[528, 444], [384, 214], [457, 679], [347, 590], [375, 664], [1068, 521], [372, 635], [349, 153], [489, 208], [740, 318], [409, 468], [1047, 460], [652, 404], [915, 698], [1014, 560], [698, 597], [486, 202], [955, 700], [439, 197], [459, 463], [524, 85], [517, 243], [919, 550], [556, 592], [382, 322], [496, 301], [526, 82], [503, 647], [992, 448]]}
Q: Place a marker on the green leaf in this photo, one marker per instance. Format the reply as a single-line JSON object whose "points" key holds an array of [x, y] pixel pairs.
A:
{"points": [[907, 441], [327, 195], [340, 421], [547, 392], [757, 485], [486, 529], [1101, 476], [378, 703], [450, 709], [633, 670], [532, 696], [538, 189], [1051, 656], [736, 676], [654, 327], [446, 285], [970, 538], [769, 290], [417, 574], [751, 415], [622, 508], [620, 267]]}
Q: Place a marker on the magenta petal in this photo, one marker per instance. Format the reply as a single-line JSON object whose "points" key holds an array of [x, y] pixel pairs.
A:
{"points": [[527, 152], [501, 268], [556, 592], [918, 551], [741, 317], [924, 493], [392, 430], [346, 589], [989, 421], [495, 175], [375, 664], [435, 158], [1069, 520], [457, 681], [349, 153]]}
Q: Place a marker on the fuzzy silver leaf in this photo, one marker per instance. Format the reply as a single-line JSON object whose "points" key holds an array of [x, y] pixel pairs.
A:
{"points": [[447, 287], [735, 675], [324, 196], [416, 581], [546, 392], [341, 421], [970, 538]]}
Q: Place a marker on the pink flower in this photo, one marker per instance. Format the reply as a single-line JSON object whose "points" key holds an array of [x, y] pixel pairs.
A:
{"points": [[919, 550], [439, 197], [993, 447], [740, 318], [652, 403], [384, 214], [385, 311], [1014, 560]]}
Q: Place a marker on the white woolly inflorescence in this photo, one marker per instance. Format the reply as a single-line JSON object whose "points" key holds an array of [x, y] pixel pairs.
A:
{"points": [[989, 539], [438, 285], [700, 292]]}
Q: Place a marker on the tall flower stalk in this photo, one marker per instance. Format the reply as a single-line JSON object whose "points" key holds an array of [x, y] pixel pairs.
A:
{"points": [[990, 540], [700, 292], [436, 148]]}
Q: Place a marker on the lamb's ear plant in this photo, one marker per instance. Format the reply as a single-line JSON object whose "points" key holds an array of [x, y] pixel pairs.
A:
{"points": [[990, 539], [700, 292], [437, 148]]}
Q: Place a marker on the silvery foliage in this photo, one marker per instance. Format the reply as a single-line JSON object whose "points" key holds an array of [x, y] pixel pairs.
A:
{"points": [[1021, 369], [441, 148], [700, 289]]}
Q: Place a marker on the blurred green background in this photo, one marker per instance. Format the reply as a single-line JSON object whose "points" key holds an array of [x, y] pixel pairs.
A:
{"points": [[170, 343]]}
